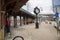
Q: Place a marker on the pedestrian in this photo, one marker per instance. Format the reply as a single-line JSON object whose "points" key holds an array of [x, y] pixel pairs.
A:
{"points": [[8, 26]]}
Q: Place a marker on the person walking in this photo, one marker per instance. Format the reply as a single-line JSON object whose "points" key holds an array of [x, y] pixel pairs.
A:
{"points": [[8, 26]]}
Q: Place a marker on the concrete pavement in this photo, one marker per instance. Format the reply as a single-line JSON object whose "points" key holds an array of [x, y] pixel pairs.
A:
{"points": [[29, 32]]}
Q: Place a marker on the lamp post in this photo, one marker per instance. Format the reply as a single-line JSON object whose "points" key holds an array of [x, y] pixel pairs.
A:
{"points": [[37, 11]]}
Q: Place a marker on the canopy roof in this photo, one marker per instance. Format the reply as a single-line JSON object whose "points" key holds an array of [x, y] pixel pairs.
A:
{"points": [[12, 5], [25, 11]]}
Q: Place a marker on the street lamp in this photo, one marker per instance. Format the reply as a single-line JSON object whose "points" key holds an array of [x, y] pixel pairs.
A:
{"points": [[37, 11]]}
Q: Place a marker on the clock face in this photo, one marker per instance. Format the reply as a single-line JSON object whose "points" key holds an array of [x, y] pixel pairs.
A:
{"points": [[36, 10]]}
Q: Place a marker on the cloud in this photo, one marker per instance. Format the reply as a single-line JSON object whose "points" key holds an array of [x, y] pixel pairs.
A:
{"points": [[45, 4]]}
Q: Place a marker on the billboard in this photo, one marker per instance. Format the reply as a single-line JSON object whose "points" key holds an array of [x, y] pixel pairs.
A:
{"points": [[56, 3]]}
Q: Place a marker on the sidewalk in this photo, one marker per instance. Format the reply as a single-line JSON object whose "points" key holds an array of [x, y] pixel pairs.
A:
{"points": [[29, 32]]}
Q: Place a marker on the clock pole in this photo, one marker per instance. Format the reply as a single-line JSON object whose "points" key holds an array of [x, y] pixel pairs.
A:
{"points": [[37, 11]]}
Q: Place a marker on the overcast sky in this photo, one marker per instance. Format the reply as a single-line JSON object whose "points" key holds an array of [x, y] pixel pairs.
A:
{"points": [[45, 6]]}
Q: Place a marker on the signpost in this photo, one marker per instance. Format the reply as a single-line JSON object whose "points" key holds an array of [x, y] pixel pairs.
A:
{"points": [[37, 11]]}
